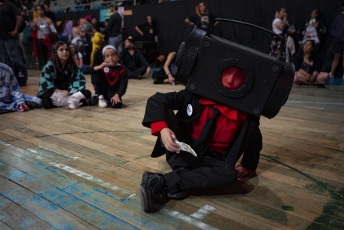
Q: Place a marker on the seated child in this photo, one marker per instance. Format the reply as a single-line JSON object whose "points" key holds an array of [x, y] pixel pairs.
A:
{"points": [[109, 79], [11, 99]]}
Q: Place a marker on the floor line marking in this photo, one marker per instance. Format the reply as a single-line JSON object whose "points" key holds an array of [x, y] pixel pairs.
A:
{"points": [[203, 212], [172, 213], [188, 219]]}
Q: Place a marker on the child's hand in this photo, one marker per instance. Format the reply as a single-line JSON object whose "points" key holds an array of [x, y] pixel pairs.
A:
{"points": [[22, 107], [166, 137], [115, 99], [241, 171]]}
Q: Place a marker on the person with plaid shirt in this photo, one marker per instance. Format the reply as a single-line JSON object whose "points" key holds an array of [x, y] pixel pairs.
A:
{"points": [[62, 83], [11, 98]]}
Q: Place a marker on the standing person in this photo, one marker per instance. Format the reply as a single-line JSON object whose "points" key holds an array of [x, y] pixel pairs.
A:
{"points": [[308, 66], [44, 34], [149, 33], [97, 42], [202, 19], [50, 14], [133, 60], [114, 29], [279, 26], [66, 30], [314, 29], [148, 30], [109, 79], [219, 134], [11, 99], [337, 31], [26, 41], [62, 83], [11, 21]]}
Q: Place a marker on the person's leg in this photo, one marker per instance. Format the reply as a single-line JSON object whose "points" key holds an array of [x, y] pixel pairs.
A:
{"points": [[33, 102], [210, 173], [335, 61], [322, 77], [118, 40], [41, 53], [301, 78], [4, 55], [12, 46]]}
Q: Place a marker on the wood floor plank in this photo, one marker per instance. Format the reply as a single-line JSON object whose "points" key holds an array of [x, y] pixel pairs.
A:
{"points": [[97, 157], [16, 217]]}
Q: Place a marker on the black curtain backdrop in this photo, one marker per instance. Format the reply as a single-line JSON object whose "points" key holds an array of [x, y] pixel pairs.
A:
{"points": [[173, 30]]}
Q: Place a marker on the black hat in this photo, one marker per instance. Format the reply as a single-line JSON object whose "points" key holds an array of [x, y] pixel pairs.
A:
{"points": [[131, 39]]}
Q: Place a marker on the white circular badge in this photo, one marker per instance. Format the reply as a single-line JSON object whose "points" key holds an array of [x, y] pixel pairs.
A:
{"points": [[106, 70], [189, 109]]}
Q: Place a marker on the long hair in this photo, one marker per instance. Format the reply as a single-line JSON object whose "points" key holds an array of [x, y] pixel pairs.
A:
{"points": [[70, 65], [312, 57], [198, 11], [278, 11], [42, 7]]}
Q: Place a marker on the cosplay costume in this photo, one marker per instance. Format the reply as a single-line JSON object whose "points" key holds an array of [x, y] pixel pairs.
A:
{"points": [[52, 79], [212, 168], [228, 87], [109, 81]]}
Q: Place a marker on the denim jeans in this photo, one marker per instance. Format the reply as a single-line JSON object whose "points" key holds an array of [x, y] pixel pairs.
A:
{"points": [[116, 42], [10, 52]]}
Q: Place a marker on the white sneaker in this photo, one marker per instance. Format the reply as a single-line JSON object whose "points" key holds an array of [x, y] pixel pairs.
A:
{"points": [[102, 102]]}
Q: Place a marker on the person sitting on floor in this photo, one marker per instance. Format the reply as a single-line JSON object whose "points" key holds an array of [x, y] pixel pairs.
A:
{"points": [[11, 98], [169, 71], [212, 130], [109, 79], [308, 66], [133, 60], [62, 83]]}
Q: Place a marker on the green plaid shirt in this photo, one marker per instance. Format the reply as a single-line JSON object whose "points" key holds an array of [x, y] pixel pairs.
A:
{"points": [[50, 80]]}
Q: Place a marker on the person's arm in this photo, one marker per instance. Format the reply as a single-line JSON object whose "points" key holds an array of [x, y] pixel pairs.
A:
{"points": [[156, 39], [187, 21], [80, 60], [170, 57], [51, 25], [251, 154], [281, 24], [124, 82], [19, 22], [46, 81], [138, 30], [17, 96]]}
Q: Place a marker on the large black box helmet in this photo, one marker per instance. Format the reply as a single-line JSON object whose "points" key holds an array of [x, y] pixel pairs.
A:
{"points": [[203, 58]]}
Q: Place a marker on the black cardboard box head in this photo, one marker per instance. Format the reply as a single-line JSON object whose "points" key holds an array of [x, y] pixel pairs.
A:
{"points": [[203, 58]]}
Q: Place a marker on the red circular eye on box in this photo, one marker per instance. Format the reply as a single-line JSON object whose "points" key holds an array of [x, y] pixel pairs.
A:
{"points": [[232, 78]]}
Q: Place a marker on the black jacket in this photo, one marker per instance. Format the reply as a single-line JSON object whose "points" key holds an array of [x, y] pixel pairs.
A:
{"points": [[248, 140]]}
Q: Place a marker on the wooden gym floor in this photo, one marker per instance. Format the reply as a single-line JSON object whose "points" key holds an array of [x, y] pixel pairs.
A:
{"points": [[81, 169]]}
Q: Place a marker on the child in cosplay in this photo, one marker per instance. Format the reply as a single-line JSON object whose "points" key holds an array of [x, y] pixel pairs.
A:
{"points": [[217, 133], [109, 79], [62, 83]]}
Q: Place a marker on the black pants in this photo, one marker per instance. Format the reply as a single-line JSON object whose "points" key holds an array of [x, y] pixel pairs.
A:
{"points": [[42, 50], [189, 173], [101, 87], [137, 72]]}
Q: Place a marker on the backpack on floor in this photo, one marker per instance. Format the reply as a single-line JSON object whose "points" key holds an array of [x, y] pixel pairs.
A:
{"points": [[20, 72]]}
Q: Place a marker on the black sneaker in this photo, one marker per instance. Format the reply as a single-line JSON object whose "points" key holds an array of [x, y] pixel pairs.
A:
{"points": [[178, 195], [153, 192]]}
